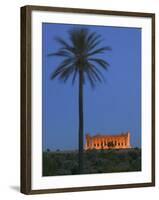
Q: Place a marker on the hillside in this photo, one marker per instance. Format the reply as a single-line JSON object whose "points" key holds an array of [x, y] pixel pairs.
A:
{"points": [[95, 161]]}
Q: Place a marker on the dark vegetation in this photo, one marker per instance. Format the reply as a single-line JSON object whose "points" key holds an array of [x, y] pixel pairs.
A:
{"points": [[95, 161]]}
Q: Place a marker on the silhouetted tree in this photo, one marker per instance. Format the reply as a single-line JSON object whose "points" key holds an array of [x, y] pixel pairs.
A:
{"points": [[79, 60]]}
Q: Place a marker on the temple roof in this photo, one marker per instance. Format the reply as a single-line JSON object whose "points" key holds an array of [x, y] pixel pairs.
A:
{"points": [[106, 135]]}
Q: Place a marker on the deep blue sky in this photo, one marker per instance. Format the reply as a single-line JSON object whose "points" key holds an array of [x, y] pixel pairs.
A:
{"points": [[111, 108]]}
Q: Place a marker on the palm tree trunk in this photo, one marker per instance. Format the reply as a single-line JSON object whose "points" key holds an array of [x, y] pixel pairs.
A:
{"points": [[80, 122]]}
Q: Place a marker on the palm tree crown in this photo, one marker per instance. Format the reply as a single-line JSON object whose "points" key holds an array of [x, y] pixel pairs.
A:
{"points": [[80, 55]]}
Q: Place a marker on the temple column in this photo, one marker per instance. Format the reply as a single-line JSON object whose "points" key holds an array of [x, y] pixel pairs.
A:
{"points": [[96, 143], [118, 142], [105, 143], [102, 143], [128, 139], [99, 143], [92, 144], [113, 142], [88, 138], [123, 142]]}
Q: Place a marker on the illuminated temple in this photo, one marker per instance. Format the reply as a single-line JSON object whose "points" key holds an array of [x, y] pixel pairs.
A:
{"points": [[100, 141]]}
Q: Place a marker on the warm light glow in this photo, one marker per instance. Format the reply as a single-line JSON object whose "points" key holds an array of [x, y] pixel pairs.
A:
{"points": [[121, 141]]}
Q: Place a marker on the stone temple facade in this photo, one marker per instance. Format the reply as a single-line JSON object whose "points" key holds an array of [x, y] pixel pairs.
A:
{"points": [[121, 141]]}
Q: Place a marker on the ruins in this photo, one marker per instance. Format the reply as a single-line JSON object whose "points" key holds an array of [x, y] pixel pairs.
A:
{"points": [[100, 141]]}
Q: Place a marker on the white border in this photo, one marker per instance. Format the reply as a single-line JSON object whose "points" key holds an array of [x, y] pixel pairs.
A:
{"points": [[39, 182]]}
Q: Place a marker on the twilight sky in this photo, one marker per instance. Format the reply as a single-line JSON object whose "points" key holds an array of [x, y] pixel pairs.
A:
{"points": [[111, 108]]}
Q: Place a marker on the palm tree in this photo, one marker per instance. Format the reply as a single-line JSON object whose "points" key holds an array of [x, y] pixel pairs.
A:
{"points": [[80, 59]]}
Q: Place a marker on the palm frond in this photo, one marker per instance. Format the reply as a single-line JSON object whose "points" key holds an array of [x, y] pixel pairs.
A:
{"points": [[100, 62], [100, 50], [95, 75], [97, 71], [64, 65], [91, 37], [74, 75], [62, 42], [66, 73], [61, 53], [64, 45], [91, 79], [94, 45], [93, 40]]}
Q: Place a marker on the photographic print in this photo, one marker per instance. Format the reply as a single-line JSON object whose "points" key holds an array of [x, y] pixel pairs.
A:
{"points": [[91, 99], [87, 99]]}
